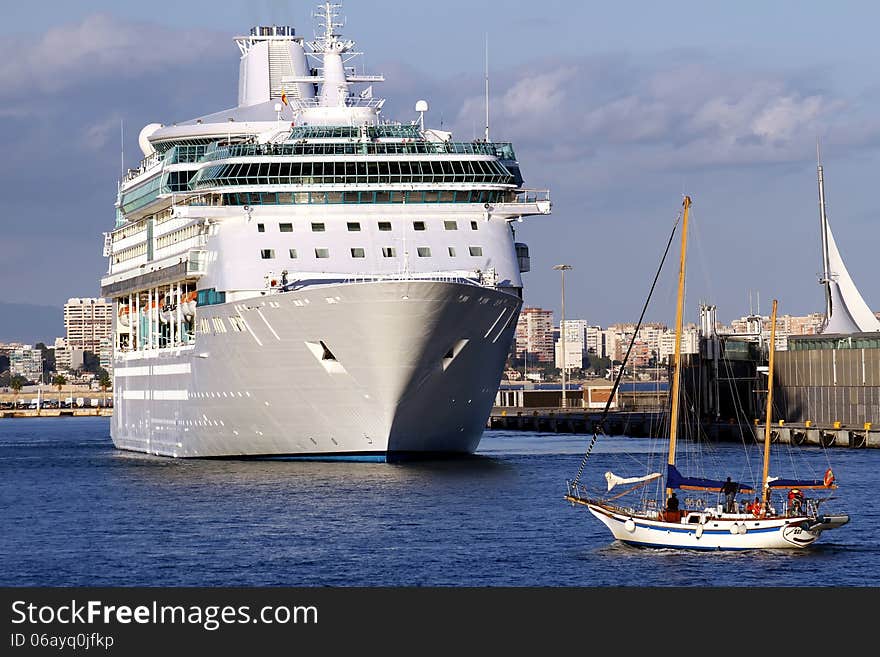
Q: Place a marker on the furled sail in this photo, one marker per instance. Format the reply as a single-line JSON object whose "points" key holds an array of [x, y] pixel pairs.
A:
{"points": [[828, 481], [613, 480], [848, 313], [674, 479]]}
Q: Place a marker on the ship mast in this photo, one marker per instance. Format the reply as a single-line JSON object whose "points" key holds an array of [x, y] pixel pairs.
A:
{"points": [[335, 103], [825, 279], [679, 311], [768, 421]]}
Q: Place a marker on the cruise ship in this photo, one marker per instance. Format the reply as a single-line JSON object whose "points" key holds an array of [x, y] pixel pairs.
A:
{"points": [[300, 277]]}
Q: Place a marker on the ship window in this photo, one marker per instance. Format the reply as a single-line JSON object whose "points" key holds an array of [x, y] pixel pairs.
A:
{"points": [[292, 253], [385, 225], [418, 225], [285, 228], [424, 252], [261, 228], [389, 251], [353, 226], [475, 250], [450, 225], [267, 254], [451, 251], [357, 253], [474, 225], [322, 253], [317, 227]]}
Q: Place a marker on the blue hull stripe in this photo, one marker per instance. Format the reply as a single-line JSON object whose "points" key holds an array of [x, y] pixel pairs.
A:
{"points": [[706, 532], [708, 548], [351, 458]]}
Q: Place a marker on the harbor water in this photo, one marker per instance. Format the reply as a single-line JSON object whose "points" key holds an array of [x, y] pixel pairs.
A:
{"points": [[77, 512]]}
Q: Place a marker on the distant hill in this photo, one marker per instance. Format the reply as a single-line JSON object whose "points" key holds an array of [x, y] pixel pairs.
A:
{"points": [[28, 323]]}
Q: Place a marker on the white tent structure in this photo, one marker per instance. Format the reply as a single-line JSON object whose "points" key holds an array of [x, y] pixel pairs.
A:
{"points": [[845, 309]]}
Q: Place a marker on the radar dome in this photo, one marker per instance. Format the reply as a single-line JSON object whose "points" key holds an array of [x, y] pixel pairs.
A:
{"points": [[144, 138]]}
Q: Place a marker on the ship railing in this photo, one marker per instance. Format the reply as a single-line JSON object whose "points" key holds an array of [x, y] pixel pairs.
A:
{"points": [[350, 101], [355, 146], [146, 163], [532, 195], [441, 277], [466, 278], [206, 199]]}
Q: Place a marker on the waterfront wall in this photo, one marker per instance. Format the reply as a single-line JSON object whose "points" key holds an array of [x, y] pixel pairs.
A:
{"points": [[828, 386]]}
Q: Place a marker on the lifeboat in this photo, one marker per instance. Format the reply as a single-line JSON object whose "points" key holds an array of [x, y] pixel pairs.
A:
{"points": [[168, 314], [124, 319], [188, 305]]}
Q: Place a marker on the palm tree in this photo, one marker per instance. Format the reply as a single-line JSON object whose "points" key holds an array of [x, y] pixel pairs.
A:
{"points": [[16, 383], [58, 381], [105, 383]]}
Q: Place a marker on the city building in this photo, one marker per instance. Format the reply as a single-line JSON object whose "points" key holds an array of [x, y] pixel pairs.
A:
{"points": [[534, 335], [88, 322], [595, 341], [690, 342], [786, 325], [26, 361], [105, 355], [608, 342], [575, 344], [62, 356]]}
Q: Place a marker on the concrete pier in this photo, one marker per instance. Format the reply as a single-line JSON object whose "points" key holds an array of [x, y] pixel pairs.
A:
{"points": [[645, 424]]}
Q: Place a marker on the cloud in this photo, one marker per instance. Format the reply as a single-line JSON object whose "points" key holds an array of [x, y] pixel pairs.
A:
{"points": [[98, 47], [62, 96], [97, 135], [665, 111]]}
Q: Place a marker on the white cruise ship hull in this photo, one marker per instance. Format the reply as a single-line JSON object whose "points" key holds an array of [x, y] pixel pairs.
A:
{"points": [[375, 370]]}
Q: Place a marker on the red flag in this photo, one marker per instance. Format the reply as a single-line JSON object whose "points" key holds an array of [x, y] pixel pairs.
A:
{"points": [[284, 97]]}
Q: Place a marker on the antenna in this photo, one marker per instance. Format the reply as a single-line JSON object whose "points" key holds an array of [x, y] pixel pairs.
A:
{"points": [[121, 150], [487, 87], [823, 228]]}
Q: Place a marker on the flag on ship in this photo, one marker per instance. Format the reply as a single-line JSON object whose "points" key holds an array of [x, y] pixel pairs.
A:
{"points": [[284, 96]]}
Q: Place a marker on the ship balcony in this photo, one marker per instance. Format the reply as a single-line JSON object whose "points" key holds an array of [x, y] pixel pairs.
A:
{"points": [[526, 202], [188, 266]]}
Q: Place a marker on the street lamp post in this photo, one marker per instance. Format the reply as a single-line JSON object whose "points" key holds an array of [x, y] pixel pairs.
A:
{"points": [[562, 269]]}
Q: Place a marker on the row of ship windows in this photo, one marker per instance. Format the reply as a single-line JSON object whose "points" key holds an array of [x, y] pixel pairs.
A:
{"points": [[361, 172], [387, 252], [355, 226], [131, 252], [178, 236], [383, 196]]}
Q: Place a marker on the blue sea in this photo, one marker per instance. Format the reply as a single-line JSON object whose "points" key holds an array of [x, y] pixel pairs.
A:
{"points": [[77, 512]]}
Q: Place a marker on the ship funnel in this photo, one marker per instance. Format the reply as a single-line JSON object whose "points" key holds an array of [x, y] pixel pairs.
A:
{"points": [[269, 54]]}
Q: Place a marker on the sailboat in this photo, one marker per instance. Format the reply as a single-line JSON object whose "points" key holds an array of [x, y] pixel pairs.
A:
{"points": [[796, 523], [845, 310]]}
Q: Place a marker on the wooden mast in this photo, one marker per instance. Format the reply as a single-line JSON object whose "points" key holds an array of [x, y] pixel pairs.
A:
{"points": [[768, 420], [679, 311]]}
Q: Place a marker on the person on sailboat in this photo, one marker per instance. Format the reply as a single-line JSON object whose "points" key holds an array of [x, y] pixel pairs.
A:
{"points": [[795, 501], [672, 509], [729, 489], [754, 507]]}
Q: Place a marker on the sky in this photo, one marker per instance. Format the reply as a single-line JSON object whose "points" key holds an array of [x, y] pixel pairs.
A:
{"points": [[619, 109]]}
